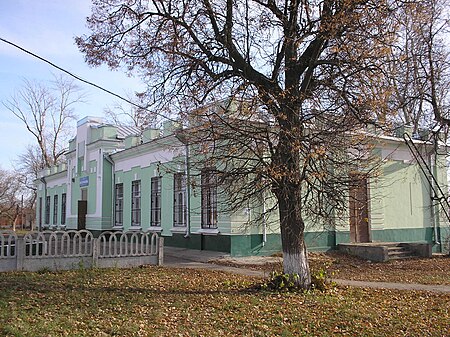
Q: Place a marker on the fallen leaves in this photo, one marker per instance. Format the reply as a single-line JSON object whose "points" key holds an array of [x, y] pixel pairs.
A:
{"points": [[156, 301], [435, 270]]}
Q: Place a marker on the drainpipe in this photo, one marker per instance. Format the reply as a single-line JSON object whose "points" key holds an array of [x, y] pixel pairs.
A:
{"points": [[44, 202], [188, 190], [109, 160], [435, 209], [264, 221]]}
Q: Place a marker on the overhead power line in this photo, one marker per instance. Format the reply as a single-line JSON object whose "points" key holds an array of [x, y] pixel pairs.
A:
{"points": [[82, 79]]}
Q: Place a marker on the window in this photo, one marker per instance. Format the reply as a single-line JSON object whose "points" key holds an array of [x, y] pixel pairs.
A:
{"points": [[209, 198], [84, 194], [179, 200], [136, 203], [118, 206], [155, 207], [55, 209], [47, 210], [63, 209], [40, 211]]}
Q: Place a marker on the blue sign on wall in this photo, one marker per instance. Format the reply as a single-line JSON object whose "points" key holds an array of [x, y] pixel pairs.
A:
{"points": [[84, 181]]}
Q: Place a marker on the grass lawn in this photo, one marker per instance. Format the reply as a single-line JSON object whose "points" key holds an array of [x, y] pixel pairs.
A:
{"points": [[157, 301]]}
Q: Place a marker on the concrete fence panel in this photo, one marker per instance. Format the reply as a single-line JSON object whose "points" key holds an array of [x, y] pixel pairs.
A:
{"points": [[8, 250], [127, 249], [62, 250]]}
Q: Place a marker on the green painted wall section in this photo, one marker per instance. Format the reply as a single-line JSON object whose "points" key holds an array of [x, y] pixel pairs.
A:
{"points": [[403, 235], [219, 243], [107, 195], [51, 192], [406, 197], [144, 175], [244, 245], [91, 173]]}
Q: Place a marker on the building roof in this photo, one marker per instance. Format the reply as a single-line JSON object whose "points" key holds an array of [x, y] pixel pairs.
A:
{"points": [[124, 131]]}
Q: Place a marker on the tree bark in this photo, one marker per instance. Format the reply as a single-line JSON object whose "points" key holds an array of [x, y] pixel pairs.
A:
{"points": [[287, 161], [295, 258]]}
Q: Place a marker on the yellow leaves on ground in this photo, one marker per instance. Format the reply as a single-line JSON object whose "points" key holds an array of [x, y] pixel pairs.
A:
{"points": [[155, 301]]}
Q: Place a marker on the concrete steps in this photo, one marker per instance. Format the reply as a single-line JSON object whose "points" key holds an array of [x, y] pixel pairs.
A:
{"points": [[385, 251], [399, 251]]}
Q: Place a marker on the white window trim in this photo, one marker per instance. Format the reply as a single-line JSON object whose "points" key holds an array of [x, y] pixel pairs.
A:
{"points": [[179, 229], [208, 231], [155, 229]]}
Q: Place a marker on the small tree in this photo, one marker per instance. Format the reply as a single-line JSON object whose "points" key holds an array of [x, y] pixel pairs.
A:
{"points": [[312, 68], [10, 189]]}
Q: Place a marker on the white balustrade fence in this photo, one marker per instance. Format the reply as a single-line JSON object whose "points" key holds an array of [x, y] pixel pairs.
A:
{"points": [[8, 251], [71, 249]]}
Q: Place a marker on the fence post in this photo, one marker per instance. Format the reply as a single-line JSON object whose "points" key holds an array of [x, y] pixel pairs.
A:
{"points": [[95, 251], [160, 251], [20, 253]]}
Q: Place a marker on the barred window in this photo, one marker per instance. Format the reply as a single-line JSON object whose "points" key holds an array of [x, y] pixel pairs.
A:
{"points": [[209, 198], [63, 209], [118, 206], [155, 207], [55, 209], [47, 210], [179, 200], [136, 203], [40, 211]]}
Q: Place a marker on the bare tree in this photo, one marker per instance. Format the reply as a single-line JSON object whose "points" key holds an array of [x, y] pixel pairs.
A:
{"points": [[311, 69], [132, 115], [46, 112], [420, 66]]}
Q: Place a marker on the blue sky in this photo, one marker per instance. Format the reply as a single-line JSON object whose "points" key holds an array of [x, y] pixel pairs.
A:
{"points": [[47, 28]]}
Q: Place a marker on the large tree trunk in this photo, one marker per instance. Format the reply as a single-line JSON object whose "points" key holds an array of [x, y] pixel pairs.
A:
{"points": [[295, 258], [287, 161]]}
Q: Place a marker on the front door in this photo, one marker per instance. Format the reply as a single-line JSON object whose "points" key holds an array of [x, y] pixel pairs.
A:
{"points": [[82, 211], [359, 211]]}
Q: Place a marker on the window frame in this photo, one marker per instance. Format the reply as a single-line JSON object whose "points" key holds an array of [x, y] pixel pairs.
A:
{"points": [[55, 209], [155, 201], [63, 208], [47, 210], [118, 205], [40, 211], [136, 203], [179, 200], [209, 217]]}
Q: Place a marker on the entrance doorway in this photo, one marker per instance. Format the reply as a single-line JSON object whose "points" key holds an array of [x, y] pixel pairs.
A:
{"points": [[359, 210], [82, 210]]}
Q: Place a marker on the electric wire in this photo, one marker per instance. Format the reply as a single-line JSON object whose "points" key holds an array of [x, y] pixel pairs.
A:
{"points": [[83, 80]]}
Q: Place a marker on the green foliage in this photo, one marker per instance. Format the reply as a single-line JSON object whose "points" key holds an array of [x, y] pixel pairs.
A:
{"points": [[281, 282], [320, 280]]}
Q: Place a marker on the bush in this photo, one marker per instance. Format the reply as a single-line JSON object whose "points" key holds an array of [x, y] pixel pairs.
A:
{"points": [[291, 282]]}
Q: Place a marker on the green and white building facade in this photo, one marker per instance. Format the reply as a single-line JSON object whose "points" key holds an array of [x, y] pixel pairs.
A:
{"points": [[117, 178]]}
